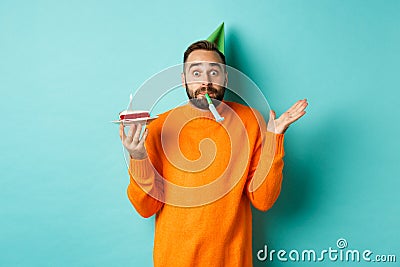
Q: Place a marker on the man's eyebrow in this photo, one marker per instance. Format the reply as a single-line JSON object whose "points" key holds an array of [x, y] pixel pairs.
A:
{"points": [[216, 64], [213, 64], [194, 65]]}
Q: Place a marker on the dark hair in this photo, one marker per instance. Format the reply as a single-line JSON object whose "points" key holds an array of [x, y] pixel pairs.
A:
{"points": [[203, 45]]}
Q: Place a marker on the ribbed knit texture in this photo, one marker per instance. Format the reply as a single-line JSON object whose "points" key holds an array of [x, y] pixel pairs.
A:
{"points": [[217, 232]]}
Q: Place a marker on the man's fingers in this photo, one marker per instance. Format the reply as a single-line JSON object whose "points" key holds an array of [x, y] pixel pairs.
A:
{"points": [[301, 107], [296, 105], [297, 116], [295, 110], [144, 136], [122, 132], [137, 133], [131, 131], [290, 112]]}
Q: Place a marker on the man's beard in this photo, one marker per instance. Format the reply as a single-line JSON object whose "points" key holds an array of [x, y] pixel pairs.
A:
{"points": [[202, 102]]}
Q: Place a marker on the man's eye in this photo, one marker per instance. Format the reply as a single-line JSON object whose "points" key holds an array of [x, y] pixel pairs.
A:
{"points": [[214, 73], [196, 73]]}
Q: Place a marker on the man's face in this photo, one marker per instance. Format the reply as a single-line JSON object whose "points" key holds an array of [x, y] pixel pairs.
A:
{"points": [[204, 73]]}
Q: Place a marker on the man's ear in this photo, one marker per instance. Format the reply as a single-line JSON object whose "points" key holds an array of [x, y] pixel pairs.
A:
{"points": [[183, 80], [226, 79]]}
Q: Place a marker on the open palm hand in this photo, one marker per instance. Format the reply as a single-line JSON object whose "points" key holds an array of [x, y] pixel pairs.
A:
{"points": [[281, 124]]}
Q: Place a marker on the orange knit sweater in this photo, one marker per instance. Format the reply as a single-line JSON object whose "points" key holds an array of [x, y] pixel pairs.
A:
{"points": [[203, 214]]}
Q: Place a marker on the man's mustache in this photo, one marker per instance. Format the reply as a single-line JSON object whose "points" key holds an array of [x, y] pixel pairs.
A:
{"points": [[205, 89]]}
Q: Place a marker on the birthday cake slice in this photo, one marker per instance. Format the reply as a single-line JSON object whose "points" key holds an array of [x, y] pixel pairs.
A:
{"points": [[133, 114]]}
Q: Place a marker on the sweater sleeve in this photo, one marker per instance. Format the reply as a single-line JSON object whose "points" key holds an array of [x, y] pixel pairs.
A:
{"points": [[265, 174], [145, 190]]}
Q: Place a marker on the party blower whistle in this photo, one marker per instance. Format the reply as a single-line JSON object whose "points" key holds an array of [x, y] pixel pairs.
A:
{"points": [[213, 110]]}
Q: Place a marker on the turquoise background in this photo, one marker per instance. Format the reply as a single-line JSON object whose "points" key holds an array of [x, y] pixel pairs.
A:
{"points": [[67, 68]]}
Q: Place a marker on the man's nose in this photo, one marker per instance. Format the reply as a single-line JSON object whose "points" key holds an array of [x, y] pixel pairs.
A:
{"points": [[206, 81]]}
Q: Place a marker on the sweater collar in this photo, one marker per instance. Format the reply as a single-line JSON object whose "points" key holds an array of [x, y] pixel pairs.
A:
{"points": [[191, 111]]}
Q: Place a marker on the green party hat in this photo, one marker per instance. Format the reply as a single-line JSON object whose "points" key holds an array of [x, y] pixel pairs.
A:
{"points": [[218, 37]]}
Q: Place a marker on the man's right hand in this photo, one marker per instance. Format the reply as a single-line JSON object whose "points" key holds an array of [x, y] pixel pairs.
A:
{"points": [[132, 141]]}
